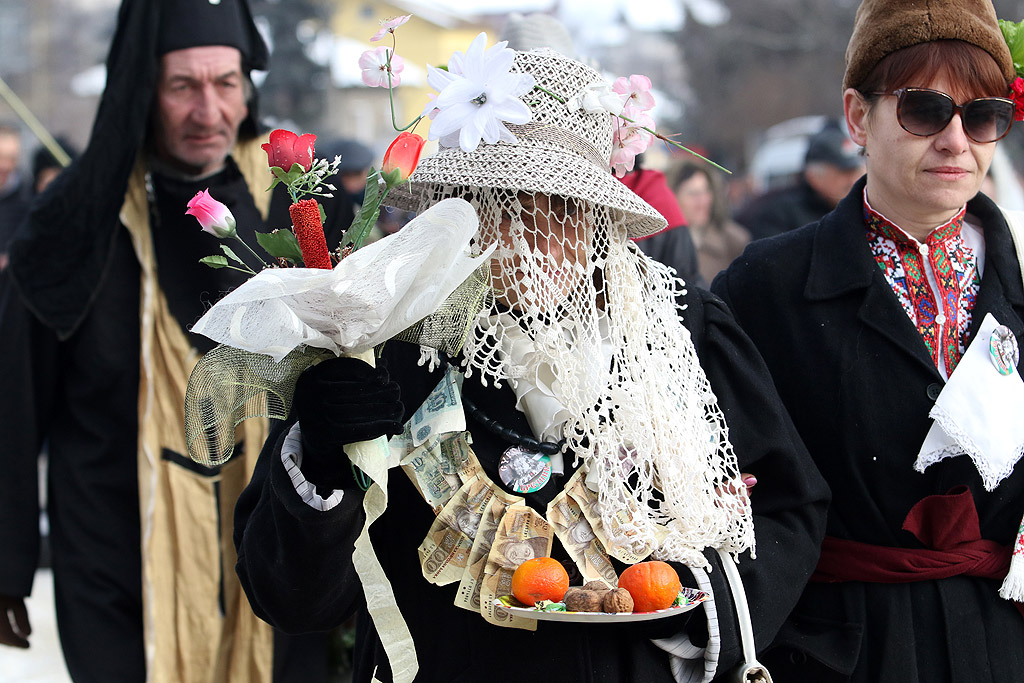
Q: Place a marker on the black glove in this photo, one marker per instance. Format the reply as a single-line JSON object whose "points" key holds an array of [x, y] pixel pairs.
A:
{"points": [[340, 401], [14, 626]]}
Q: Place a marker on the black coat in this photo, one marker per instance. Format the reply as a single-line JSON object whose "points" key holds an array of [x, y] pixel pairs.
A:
{"points": [[781, 210], [857, 379], [295, 562]]}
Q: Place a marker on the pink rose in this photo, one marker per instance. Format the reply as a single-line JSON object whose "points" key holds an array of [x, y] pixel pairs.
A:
{"points": [[403, 155], [286, 148], [214, 216]]}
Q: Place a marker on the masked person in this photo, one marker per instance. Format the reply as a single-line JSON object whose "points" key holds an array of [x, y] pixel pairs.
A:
{"points": [[93, 333], [577, 374], [892, 309]]}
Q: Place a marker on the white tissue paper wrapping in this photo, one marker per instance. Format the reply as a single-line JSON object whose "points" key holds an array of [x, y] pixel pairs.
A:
{"points": [[978, 413], [372, 295]]}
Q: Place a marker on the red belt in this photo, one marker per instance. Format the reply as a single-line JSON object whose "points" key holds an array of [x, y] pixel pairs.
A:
{"points": [[947, 525]]}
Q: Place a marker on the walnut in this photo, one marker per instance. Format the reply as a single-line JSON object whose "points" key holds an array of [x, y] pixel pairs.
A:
{"points": [[618, 600], [596, 585], [581, 600]]}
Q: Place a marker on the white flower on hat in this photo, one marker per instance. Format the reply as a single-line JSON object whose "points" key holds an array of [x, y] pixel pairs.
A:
{"points": [[596, 98], [477, 95]]}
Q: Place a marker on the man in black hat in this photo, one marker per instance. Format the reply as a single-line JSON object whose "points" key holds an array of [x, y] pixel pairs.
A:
{"points": [[103, 284], [832, 165]]}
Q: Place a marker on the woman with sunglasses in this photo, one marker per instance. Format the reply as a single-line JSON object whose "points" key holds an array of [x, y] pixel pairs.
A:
{"points": [[890, 330]]}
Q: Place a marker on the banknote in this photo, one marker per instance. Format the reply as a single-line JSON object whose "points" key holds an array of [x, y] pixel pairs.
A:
{"points": [[579, 540], [444, 553], [522, 534], [431, 474], [441, 412], [441, 465], [459, 457], [578, 491], [468, 595]]}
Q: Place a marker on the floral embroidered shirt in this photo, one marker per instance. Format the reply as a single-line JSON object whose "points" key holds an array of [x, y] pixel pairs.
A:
{"points": [[936, 281]]}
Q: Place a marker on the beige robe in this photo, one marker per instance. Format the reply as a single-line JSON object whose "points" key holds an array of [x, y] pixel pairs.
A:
{"points": [[188, 561]]}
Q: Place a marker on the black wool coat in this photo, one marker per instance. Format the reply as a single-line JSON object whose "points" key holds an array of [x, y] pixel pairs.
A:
{"points": [[855, 375], [295, 562]]}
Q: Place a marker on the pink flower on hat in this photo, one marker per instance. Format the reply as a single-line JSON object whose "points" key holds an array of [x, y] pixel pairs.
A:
{"points": [[625, 149], [636, 90], [388, 26], [374, 64]]}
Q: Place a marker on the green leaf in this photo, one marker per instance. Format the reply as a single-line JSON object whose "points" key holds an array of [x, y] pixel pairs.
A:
{"points": [[1013, 33], [214, 261], [289, 177], [392, 178], [323, 214], [368, 212], [280, 244], [232, 255]]}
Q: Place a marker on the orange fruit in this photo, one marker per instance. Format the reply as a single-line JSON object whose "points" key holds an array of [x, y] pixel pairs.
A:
{"points": [[654, 585], [542, 578]]}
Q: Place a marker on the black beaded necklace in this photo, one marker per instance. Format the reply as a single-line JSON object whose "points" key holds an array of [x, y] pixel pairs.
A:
{"points": [[508, 434]]}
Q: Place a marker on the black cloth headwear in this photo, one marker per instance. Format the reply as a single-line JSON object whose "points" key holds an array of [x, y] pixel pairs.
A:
{"points": [[59, 255], [195, 23]]}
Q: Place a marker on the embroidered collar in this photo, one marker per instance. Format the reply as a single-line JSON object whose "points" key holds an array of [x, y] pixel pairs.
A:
{"points": [[935, 281]]}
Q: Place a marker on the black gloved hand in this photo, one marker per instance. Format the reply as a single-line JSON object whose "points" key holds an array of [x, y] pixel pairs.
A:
{"points": [[14, 625], [341, 401]]}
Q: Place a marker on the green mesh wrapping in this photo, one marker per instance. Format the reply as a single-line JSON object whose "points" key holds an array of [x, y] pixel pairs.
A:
{"points": [[230, 385]]}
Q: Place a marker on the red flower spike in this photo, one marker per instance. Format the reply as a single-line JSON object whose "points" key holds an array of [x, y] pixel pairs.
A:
{"points": [[309, 231], [403, 155], [286, 148]]}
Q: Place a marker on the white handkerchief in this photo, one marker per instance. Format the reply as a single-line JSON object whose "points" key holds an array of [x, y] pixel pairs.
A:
{"points": [[980, 413]]}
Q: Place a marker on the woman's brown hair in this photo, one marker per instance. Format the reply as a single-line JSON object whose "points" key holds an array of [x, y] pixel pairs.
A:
{"points": [[971, 71]]}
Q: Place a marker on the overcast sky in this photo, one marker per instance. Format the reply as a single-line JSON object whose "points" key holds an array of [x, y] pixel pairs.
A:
{"points": [[649, 14]]}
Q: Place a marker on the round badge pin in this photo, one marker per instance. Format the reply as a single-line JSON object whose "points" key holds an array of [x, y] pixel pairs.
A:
{"points": [[1002, 346], [524, 471]]}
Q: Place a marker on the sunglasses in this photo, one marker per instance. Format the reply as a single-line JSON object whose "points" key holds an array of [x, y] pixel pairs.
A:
{"points": [[924, 112]]}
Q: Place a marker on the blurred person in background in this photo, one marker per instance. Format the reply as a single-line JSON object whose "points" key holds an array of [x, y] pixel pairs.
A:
{"points": [[46, 167], [673, 246], [14, 195], [831, 166], [891, 329], [96, 356], [717, 238]]}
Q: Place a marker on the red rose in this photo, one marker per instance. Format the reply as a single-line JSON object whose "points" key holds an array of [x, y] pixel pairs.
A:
{"points": [[286, 148], [403, 155]]}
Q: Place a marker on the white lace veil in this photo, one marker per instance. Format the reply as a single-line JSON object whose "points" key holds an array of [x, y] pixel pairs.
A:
{"points": [[581, 316]]}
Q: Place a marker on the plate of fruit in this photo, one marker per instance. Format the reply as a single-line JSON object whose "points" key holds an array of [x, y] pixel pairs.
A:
{"points": [[646, 590]]}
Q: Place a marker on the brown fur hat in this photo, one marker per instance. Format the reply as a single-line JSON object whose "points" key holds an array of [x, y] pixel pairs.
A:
{"points": [[884, 26]]}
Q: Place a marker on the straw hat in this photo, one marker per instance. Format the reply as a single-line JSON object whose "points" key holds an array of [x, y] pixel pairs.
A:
{"points": [[560, 152]]}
